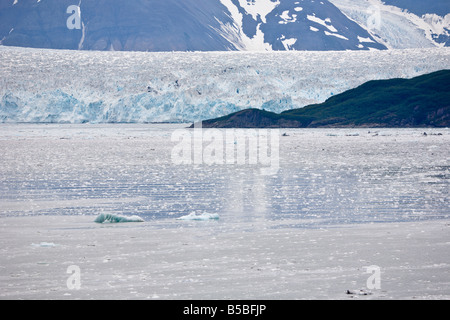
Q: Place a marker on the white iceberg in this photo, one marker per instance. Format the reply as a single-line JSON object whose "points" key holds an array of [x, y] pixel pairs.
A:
{"points": [[113, 218], [44, 245], [200, 216]]}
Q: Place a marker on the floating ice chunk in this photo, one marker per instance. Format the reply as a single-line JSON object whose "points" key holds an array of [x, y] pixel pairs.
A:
{"points": [[113, 218], [201, 216], [44, 245]]}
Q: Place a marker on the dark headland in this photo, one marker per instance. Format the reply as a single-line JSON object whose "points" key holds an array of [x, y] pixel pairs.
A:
{"points": [[422, 101]]}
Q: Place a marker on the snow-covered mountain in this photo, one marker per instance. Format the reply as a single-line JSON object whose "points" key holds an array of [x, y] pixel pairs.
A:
{"points": [[222, 25], [295, 25]]}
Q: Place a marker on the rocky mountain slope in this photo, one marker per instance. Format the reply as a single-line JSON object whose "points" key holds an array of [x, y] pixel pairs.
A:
{"points": [[222, 25]]}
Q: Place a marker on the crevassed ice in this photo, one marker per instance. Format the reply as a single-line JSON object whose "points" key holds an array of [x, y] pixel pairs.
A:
{"points": [[58, 86]]}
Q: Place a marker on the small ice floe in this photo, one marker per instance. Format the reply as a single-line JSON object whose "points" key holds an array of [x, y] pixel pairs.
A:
{"points": [[200, 216], [114, 218], [44, 245]]}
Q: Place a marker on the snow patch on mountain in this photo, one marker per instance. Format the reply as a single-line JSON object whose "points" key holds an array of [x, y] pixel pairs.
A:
{"points": [[259, 9], [326, 23], [285, 18], [238, 36]]}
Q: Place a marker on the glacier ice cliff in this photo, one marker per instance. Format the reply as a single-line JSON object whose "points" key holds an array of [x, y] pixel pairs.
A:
{"points": [[62, 86]]}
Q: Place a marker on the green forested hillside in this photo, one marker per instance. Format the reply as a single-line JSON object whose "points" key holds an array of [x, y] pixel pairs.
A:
{"points": [[419, 102]]}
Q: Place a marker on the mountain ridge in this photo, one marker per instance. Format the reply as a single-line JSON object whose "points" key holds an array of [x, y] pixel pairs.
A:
{"points": [[210, 25]]}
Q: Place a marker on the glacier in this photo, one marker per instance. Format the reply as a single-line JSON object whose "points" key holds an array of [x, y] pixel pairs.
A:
{"points": [[401, 24], [63, 86]]}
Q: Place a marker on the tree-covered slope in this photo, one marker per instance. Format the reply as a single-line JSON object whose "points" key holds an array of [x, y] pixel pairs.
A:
{"points": [[419, 102]]}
